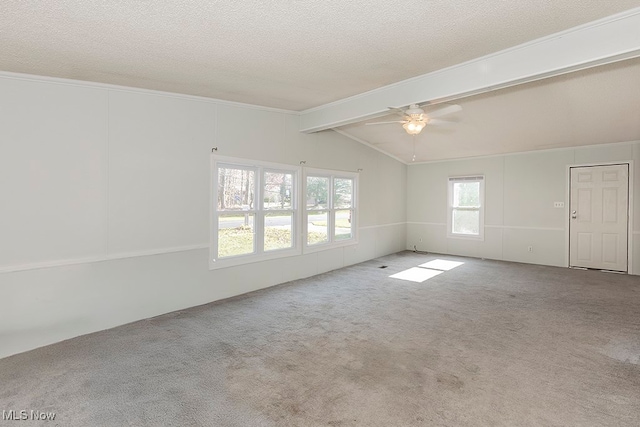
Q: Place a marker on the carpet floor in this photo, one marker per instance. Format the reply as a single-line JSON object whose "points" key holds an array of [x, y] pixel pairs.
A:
{"points": [[486, 343]]}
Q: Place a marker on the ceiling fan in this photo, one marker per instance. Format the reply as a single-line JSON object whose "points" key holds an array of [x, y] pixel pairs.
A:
{"points": [[415, 119]]}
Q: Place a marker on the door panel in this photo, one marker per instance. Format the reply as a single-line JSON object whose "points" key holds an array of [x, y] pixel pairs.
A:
{"points": [[584, 247], [598, 227], [584, 204], [609, 248], [610, 205]]}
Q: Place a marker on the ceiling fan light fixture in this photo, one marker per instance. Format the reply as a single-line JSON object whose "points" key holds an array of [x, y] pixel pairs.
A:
{"points": [[414, 127], [414, 118]]}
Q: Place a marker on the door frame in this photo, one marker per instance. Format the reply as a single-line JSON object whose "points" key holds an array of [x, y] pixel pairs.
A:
{"points": [[567, 210]]}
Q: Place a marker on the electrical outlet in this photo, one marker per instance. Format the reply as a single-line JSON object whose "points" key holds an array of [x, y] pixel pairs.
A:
{"points": [[558, 204], [530, 248]]}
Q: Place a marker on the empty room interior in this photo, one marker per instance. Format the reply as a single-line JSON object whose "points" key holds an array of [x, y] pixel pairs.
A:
{"points": [[310, 213]]}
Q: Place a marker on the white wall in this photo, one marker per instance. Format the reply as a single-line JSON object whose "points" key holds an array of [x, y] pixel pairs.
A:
{"points": [[519, 193], [105, 204]]}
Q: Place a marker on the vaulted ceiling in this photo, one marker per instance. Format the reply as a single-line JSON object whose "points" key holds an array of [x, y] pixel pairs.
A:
{"points": [[594, 106], [298, 55]]}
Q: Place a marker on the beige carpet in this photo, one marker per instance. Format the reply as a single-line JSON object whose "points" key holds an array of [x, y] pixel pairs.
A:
{"points": [[484, 344]]}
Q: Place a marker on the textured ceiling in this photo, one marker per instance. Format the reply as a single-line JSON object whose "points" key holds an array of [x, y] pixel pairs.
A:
{"points": [[595, 106], [286, 54]]}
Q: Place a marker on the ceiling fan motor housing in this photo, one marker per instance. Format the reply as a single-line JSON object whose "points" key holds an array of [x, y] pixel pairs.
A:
{"points": [[414, 111]]}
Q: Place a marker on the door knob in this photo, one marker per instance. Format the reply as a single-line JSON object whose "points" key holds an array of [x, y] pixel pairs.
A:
{"points": [[574, 214]]}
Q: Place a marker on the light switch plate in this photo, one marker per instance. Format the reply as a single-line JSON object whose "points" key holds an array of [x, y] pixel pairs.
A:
{"points": [[558, 204]]}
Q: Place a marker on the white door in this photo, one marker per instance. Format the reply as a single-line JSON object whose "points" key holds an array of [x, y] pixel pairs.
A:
{"points": [[598, 210]]}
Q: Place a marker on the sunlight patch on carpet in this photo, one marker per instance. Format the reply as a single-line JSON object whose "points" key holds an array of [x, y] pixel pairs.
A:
{"points": [[441, 264], [416, 274]]}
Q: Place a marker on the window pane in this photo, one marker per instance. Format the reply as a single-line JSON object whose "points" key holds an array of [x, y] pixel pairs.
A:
{"points": [[317, 192], [236, 189], [343, 225], [466, 194], [466, 221], [317, 228], [278, 190], [277, 231], [343, 193], [236, 235]]}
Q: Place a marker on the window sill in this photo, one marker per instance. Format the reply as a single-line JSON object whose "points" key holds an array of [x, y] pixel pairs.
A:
{"points": [[328, 246], [465, 237], [252, 258]]}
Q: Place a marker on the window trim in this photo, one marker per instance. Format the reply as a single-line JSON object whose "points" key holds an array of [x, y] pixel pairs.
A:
{"points": [[259, 254], [465, 178], [332, 243]]}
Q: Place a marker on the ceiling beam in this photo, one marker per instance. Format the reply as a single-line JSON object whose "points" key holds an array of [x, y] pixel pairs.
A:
{"points": [[607, 40]]}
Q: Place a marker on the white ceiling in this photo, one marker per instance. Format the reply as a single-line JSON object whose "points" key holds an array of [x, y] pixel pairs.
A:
{"points": [[301, 54]]}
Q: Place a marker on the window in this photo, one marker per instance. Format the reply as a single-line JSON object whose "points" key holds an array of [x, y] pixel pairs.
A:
{"points": [[262, 211], [466, 207], [330, 209], [254, 211], [278, 204]]}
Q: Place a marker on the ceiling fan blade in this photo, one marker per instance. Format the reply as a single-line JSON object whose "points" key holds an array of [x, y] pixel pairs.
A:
{"points": [[440, 122], [383, 123], [449, 109], [398, 111]]}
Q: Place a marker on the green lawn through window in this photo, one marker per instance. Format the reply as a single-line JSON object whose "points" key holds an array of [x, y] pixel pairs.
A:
{"points": [[239, 240]]}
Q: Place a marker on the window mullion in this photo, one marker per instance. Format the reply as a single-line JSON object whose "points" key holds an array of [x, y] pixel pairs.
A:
{"points": [[259, 207], [299, 230], [331, 229]]}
